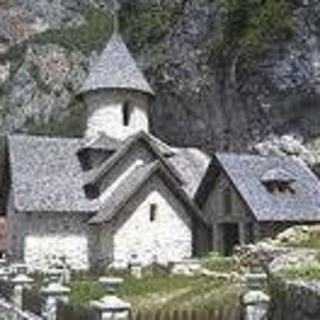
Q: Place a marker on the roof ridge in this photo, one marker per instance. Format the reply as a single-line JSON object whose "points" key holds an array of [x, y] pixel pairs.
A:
{"points": [[109, 163]]}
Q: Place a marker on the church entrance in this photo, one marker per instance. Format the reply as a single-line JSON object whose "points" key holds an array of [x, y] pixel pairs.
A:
{"points": [[230, 237]]}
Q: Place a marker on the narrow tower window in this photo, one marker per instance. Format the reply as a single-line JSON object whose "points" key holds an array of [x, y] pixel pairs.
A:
{"points": [[126, 113], [153, 212], [227, 201]]}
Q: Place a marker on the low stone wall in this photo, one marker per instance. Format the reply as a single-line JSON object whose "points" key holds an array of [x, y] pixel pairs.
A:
{"points": [[294, 300], [8, 312]]}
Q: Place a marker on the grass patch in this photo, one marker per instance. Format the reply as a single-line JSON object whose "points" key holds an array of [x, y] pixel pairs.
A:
{"points": [[307, 272], [82, 292], [311, 242], [303, 237], [162, 292], [218, 263]]}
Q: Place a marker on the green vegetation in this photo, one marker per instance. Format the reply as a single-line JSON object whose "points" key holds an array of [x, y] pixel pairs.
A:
{"points": [[313, 242], [305, 272], [218, 263], [304, 238], [251, 26], [72, 125], [149, 23], [90, 36], [163, 292], [82, 292]]}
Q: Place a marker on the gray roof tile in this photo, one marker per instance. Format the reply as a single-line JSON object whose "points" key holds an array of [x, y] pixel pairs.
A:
{"points": [[46, 175], [245, 172], [116, 69], [192, 164]]}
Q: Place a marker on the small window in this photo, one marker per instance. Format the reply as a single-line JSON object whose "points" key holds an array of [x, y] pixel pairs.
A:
{"points": [[153, 212], [85, 159], [91, 191], [126, 114], [227, 197], [250, 233]]}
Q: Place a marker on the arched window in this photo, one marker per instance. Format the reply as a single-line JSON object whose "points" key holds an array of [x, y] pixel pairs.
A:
{"points": [[153, 212], [126, 113]]}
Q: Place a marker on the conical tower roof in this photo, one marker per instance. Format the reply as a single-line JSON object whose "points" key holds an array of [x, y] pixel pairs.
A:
{"points": [[116, 69]]}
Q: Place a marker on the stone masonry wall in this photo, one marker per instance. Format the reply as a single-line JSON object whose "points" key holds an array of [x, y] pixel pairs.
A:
{"points": [[49, 234], [105, 113], [295, 300], [166, 239], [37, 238]]}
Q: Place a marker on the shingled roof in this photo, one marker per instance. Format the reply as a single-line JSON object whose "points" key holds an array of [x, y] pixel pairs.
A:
{"points": [[192, 165], [120, 196], [245, 172], [116, 69], [46, 175]]}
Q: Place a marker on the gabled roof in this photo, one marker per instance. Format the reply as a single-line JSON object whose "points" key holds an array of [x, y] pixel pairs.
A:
{"points": [[127, 189], [46, 175], [245, 172], [116, 69], [99, 172]]}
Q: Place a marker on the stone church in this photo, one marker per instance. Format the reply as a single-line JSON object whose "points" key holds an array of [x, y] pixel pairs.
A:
{"points": [[119, 193], [116, 194]]}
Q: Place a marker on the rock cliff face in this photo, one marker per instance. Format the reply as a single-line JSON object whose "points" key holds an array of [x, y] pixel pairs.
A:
{"points": [[208, 94]]}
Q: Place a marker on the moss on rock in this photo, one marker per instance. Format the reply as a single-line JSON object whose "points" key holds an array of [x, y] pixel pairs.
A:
{"points": [[148, 24], [88, 37], [251, 26]]}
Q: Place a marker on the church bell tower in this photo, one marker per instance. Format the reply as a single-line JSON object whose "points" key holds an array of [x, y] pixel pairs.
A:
{"points": [[116, 93]]}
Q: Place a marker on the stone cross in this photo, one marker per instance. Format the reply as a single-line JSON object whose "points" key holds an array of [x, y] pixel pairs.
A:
{"points": [[111, 307], [255, 301], [5, 273], [52, 294], [3, 261], [135, 267], [20, 282]]}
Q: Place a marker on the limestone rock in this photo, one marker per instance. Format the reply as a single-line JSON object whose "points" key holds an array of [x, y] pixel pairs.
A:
{"points": [[296, 258], [284, 146]]}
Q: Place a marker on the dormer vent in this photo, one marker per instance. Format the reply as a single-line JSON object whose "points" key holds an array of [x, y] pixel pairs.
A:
{"points": [[278, 181]]}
